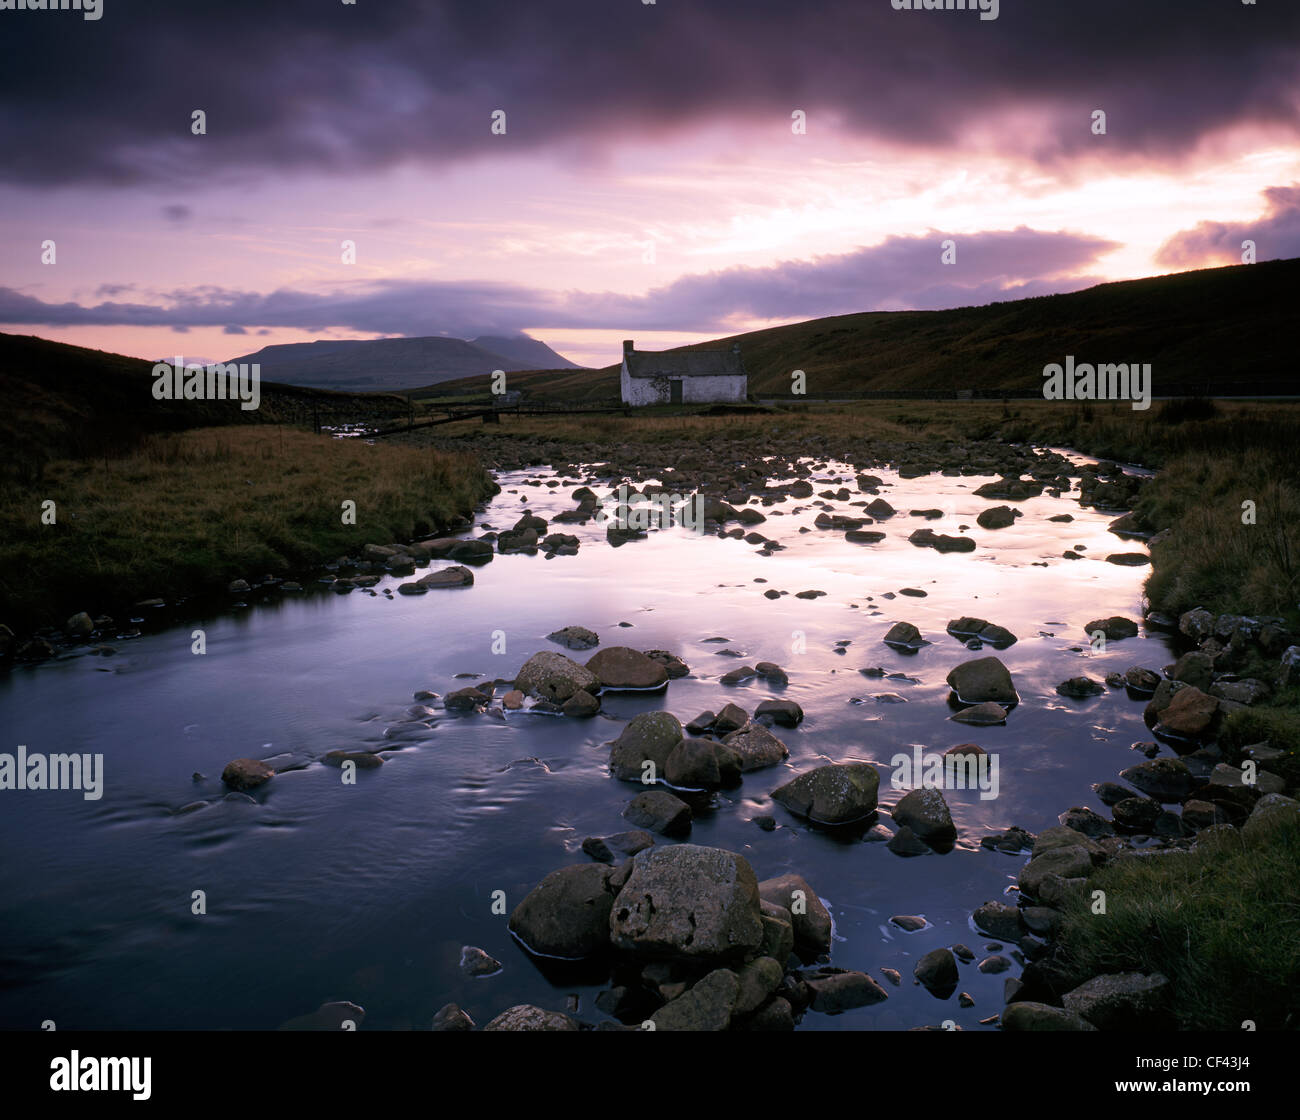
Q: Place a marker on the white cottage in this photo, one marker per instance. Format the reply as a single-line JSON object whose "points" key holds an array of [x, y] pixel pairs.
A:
{"points": [[682, 376]]}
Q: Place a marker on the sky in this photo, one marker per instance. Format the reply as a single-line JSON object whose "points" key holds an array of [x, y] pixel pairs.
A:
{"points": [[592, 170]]}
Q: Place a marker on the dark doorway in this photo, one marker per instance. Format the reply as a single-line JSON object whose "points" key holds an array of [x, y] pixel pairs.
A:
{"points": [[674, 392]]}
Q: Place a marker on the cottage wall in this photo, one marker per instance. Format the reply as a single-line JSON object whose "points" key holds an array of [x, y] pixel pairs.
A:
{"points": [[698, 389], [704, 390]]}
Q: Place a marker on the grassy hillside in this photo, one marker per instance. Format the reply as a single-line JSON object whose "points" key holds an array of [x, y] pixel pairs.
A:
{"points": [[71, 401], [176, 498], [1203, 332]]}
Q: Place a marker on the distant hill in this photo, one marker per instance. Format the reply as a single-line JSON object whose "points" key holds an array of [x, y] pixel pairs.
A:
{"points": [[1204, 332], [62, 400], [394, 364]]}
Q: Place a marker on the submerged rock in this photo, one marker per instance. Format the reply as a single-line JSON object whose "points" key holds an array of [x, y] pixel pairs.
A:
{"points": [[981, 715], [575, 637], [1080, 688], [246, 773], [475, 962]]}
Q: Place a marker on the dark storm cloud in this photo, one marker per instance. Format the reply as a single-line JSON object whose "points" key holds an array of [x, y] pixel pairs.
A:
{"points": [[306, 84], [1276, 235], [901, 272]]}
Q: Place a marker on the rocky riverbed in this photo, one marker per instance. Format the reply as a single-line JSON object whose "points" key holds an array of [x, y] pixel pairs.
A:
{"points": [[562, 772]]}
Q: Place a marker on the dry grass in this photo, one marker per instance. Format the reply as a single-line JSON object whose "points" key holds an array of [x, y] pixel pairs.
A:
{"points": [[189, 512]]}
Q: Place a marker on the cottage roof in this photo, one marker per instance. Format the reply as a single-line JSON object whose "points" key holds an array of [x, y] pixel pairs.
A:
{"points": [[684, 363]]}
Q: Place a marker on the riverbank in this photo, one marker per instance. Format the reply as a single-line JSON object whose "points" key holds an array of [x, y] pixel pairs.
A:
{"points": [[185, 514]]}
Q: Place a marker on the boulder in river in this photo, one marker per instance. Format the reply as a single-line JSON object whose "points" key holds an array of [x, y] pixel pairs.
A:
{"points": [[1136, 814], [839, 989], [552, 676], [785, 713], [648, 737], [708, 1006], [997, 517], [528, 1017], [838, 793], [1165, 779], [455, 548], [905, 842], [1026, 1015], [937, 971], [246, 773], [701, 764], [983, 679], [999, 920], [452, 1017], [455, 576], [80, 625], [660, 812], [904, 636], [620, 667], [756, 747], [1079, 688], [941, 542], [926, 813], [1191, 714], [731, 718], [581, 705], [812, 921], [1067, 862], [1126, 1001], [980, 628], [690, 903], [567, 914], [1114, 628], [982, 715], [574, 637]]}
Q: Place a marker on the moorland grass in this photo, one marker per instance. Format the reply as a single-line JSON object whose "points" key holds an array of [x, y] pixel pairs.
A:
{"points": [[186, 513], [1221, 921]]}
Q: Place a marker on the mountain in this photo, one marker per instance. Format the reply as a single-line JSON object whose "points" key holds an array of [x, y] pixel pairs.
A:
{"points": [[1215, 332], [528, 353], [394, 364]]}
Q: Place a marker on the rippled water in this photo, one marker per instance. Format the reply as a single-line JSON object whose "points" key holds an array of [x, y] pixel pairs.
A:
{"points": [[323, 891]]}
